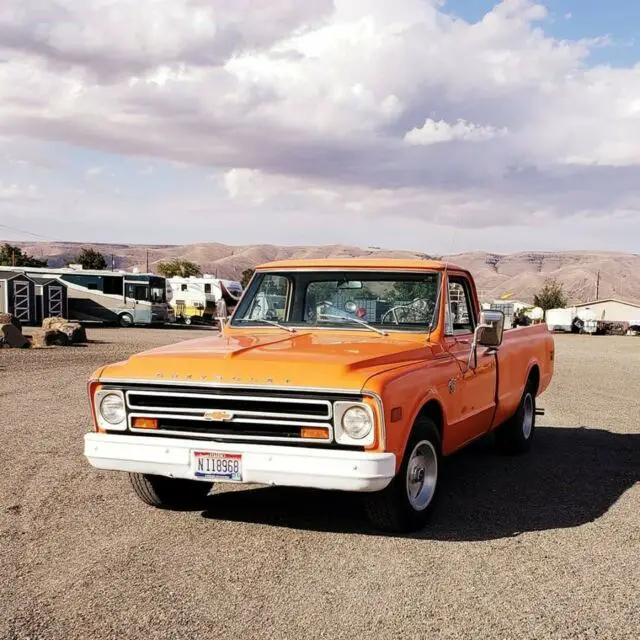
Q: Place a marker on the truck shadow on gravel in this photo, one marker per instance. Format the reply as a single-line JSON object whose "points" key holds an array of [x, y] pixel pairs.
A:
{"points": [[572, 476]]}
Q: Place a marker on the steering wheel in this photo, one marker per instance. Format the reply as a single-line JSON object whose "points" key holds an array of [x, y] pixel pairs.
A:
{"points": [[393, 311], [417, 306]]}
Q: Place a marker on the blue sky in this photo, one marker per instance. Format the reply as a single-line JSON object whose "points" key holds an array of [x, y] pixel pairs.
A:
{"points": [[576, 19], [380, 125]]}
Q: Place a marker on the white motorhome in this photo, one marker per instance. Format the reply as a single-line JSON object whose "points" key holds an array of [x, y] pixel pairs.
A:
{"points": [[194, 298], [112, 297]]}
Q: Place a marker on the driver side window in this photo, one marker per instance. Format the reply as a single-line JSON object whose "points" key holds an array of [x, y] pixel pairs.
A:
{"points": [[459, 311]]}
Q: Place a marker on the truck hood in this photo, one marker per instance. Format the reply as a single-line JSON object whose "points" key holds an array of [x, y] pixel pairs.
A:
{"points": [[303, 359]]}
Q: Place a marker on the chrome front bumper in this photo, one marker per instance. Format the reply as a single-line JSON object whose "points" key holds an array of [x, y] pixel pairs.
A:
{"points": [[262, 464]]}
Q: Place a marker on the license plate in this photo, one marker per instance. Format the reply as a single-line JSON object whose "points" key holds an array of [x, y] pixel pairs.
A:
{"points": [[221, 466]]}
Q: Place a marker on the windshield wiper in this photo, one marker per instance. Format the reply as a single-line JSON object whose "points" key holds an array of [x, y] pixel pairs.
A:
{"points": [[272, 323], [356, 320]]}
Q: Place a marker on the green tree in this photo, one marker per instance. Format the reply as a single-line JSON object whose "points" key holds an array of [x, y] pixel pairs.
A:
{"points": [[551, 296], [247, 274], [91, 259], [178, 267], [408, 290], [12, 256]]}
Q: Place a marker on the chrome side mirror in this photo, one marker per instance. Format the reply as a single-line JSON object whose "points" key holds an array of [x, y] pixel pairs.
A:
{"points": [[489, 333]]}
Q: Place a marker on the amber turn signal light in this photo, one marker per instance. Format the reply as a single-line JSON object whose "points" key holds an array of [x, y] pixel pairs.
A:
{"points": [[315, 433], [144, 423]]}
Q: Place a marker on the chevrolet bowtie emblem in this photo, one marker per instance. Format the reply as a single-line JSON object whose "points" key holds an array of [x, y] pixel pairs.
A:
{"points": [[218, 416]]}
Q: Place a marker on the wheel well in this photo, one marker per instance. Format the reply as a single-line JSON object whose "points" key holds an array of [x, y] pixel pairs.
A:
{"points": [[534, 377], [433, 411]]}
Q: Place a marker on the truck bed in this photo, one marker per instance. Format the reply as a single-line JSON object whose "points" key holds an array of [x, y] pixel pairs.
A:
{"points": [[523, 349]]}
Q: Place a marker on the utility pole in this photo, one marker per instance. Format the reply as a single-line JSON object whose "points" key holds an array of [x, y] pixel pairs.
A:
{"points": [[598, 286], [147, 260]]}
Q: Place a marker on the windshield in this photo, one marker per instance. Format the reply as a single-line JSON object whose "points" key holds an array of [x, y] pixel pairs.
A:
{"points": [[389, 301]]}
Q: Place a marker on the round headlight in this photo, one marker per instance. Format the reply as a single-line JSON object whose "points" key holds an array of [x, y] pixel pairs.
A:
{"points": [[356, 423], [112, 408]]}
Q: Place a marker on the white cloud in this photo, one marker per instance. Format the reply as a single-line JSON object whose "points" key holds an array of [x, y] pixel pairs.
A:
{"points": [[432, 132], [329, 107], [93, 171], [18, 193]]}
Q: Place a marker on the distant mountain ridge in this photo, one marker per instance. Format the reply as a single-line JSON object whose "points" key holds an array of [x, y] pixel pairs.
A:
{"points": [[520, 274]]}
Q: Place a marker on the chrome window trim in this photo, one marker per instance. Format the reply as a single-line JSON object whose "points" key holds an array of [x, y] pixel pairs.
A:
{"points": [[387, 270], [336, 327]]}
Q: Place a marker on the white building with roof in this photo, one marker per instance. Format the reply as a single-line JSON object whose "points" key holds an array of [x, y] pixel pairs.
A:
{"points": [[613, 310]]}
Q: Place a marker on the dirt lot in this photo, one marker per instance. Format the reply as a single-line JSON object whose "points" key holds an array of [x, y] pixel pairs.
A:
{"points": [[545, 546]]}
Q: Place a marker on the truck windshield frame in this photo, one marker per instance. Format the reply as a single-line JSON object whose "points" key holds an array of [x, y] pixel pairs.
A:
{"points": [[387, 301]]}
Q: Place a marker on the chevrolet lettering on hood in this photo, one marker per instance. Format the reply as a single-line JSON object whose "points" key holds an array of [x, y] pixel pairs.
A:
{"points": [[342, 374]]}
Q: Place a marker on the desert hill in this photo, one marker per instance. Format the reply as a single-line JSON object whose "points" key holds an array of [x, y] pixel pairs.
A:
{"points": [[520, 274]]}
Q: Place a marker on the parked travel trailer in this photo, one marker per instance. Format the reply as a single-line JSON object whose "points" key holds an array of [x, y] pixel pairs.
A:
{"points": [[586, 320], [194, 299], [110, 296], [560, 319]]}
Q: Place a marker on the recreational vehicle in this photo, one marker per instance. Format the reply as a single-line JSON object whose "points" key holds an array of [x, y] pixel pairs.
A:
{"points": [[194, 299], [113, 297]]}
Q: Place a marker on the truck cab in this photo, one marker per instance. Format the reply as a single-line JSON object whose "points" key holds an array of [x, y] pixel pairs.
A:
{"points": [[354, 375]]}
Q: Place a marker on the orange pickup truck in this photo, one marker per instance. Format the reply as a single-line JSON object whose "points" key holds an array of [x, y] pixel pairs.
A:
{"points": [[354, 375]]}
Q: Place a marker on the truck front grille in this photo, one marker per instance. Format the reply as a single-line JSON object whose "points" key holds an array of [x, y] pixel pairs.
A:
{"points": [[227, 414]]}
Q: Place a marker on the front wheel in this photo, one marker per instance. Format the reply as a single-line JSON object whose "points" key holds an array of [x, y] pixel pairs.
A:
{"points": [[170, 493], [126, 320], [407, 503], [515, 436]]}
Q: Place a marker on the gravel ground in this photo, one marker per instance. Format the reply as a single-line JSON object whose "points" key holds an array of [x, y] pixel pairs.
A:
{"points": [[544, 546]]}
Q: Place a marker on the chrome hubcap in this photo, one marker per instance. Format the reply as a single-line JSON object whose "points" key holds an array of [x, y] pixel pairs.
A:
{"points": [[422, 475], [527, 421]]}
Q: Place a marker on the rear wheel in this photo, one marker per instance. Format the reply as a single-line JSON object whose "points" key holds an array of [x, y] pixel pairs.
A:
{"points": [[170, 493], [515, 436], [407, 503]]}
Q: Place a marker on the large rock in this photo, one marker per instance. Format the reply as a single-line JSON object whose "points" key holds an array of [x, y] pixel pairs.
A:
{"points": [[11, 336], [49, 338], [75, 332], [7, 318], [53, 323]]}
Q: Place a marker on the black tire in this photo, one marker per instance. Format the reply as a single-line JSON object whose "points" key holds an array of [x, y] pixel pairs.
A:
{"points": [[515, 436], [125, 320], [170, 493], [391, 509], [188, 321]]}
